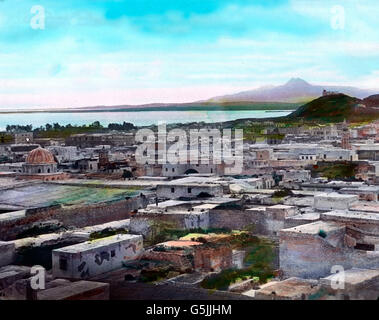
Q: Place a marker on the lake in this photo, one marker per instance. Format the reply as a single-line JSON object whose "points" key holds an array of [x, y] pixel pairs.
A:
{"points": [[140, 118]]}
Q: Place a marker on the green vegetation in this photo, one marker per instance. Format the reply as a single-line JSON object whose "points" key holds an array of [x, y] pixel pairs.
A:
{"points": [[106, 233], [335, 108], [74, 195], [335, 170], [6, 138], [55, 130]]}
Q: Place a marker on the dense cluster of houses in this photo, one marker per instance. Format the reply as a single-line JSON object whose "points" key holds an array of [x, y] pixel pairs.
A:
{"points": [[90, 215]]}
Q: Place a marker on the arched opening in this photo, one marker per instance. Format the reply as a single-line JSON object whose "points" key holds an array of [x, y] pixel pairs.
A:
{"points": [[39, 170], [191, 171], [48, 170]]}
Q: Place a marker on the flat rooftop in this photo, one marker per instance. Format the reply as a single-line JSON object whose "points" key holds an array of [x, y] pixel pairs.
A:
{"points": [[336, 196], [99, 243], [354, 277], [43, 195], [367, 207], [314, 228], [347, 215], [291, 289]]}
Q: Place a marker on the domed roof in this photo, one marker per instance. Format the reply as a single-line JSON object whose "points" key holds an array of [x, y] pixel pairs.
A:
{"points": [[40, 156]]}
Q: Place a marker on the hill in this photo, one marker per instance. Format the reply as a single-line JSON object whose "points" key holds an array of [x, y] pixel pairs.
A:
{"points": [[336, 108], [294, 91], [372, 101]]}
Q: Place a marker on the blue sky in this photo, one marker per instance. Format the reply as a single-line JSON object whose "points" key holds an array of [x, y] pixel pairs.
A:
{"points": [[97, 52]]}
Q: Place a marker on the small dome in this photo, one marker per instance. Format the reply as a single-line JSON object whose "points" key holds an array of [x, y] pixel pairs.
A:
{"points": [[40, 156]]}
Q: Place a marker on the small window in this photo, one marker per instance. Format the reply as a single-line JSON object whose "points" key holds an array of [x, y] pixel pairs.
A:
{"points": [[63, 264], [173, 169], [189, 190], [166, 169], [172, 190], [113, 253]]}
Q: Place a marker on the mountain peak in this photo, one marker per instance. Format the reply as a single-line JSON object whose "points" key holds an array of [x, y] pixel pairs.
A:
{"points": [[297, 82]]}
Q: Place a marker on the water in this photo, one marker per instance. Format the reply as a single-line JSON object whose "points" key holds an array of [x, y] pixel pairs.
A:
{"points": [[137, 118]]}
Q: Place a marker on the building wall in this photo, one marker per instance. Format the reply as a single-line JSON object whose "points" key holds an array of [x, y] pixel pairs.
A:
{"points": [[24, 137], [39, 168], [74, 217], [178, 258], [308, 256], [262, 222], [213, 259], [172, 170], [86, 264], [152, 224], [177, 191]]}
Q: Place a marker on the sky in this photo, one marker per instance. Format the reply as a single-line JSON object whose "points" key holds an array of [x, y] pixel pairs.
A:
{"points": [[109, 52]]}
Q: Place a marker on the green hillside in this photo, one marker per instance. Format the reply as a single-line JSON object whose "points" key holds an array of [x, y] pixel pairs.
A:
{"points": [[335, 108]]}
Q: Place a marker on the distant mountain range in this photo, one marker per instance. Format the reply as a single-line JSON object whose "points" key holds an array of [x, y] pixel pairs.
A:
{"points": [[289, 96], [294, 91]]}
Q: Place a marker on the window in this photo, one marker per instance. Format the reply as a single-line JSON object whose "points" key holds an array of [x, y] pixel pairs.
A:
{"points": [[173, 169], [63, 263], [166, 169], [189, 190], [113, 253], [172, 190]]}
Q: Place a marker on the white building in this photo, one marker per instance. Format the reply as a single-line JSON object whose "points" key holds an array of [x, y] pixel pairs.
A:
{"points": [[91, 258], [188, 189]]}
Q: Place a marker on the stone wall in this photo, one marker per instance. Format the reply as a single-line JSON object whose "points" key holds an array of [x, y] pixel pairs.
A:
{"points": [[80, 216]]}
